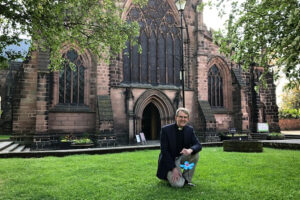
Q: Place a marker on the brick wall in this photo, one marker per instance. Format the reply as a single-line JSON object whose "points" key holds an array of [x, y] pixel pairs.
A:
{"points": [[103, 73], [104, 113], [224, 121], [270, 109], [116, 72], [289, 124], [24, 108], [8, 82], [71, 122], [42, 106], [5, 117], [237, 107]]}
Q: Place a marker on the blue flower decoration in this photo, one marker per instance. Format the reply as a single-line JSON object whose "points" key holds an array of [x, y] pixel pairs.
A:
{"points": [[187, 165]]}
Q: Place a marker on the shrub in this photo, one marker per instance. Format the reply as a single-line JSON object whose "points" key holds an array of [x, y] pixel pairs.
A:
{"points": [[67, 138], [74, 140], [275, 134], [289, 114], [82, 141]]}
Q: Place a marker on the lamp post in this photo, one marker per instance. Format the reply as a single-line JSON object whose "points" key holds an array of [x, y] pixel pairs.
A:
{"points": [[180, 4]]}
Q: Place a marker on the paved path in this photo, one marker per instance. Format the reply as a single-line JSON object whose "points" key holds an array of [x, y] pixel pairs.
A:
{"points": [[291, 141], [67, 152], [292, 132], [282, 144], [154, 144], [293, 144]]}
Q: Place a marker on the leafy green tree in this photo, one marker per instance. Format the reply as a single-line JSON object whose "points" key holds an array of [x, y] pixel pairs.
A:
{"points": [[95, 25], [291, 99], [265, 33]]}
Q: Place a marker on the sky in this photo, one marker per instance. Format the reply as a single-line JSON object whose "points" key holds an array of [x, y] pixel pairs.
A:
{"points": [[23, 47], [211, 19]]}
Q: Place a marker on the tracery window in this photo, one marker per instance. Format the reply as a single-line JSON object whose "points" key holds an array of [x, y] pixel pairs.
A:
{"points": [[160, 39], [71, 82], [215, 87]]}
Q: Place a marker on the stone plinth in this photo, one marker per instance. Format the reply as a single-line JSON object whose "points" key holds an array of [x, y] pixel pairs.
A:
{"points": [[242, 146]]}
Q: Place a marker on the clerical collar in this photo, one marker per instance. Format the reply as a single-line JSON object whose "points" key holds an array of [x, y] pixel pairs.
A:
{"points": [[179, 128]]}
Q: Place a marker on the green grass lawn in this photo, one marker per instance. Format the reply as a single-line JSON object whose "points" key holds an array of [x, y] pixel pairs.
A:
{"points": [[273, 174], [4, 137]]}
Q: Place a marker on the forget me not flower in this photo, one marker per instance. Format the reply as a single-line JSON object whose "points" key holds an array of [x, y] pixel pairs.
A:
{"points": [[187, 165]]}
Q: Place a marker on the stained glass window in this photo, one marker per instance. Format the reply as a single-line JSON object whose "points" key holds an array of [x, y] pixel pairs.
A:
{"points": [[215, 87], [160, 40], [71, 82]]}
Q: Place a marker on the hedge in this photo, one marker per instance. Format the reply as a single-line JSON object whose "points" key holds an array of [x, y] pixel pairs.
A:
{"points": [[289, 114]]}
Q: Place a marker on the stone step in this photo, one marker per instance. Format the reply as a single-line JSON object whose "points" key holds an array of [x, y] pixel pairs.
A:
{"points": [[292, 136], [26, 150], [258, 136], [5, 144], [20, 148], [10, 148]]}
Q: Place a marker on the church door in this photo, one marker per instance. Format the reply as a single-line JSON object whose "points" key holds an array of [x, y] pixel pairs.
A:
{"points": [[151, 122]]}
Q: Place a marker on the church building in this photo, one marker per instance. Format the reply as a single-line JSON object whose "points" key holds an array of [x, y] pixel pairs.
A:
{"points": [[137, 91]]}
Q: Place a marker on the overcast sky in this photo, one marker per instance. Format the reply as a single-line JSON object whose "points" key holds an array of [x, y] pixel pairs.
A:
{"points": [[211, 19]]}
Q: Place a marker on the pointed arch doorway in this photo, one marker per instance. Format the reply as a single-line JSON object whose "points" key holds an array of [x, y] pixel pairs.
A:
{"points": [[151, 122], [152, 104]]}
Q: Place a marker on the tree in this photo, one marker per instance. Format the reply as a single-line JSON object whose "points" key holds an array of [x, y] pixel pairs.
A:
{"points": [[265, 33], [291, 99], [95, 25]]}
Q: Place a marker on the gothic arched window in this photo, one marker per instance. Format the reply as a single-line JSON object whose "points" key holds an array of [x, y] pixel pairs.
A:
{"points": [[71, 81], [215, 87], [160, 39]]}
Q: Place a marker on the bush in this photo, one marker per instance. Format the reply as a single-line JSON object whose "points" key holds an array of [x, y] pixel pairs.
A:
{"points": [[74, 140], [82, 141], [275, 134], [289, 114]]}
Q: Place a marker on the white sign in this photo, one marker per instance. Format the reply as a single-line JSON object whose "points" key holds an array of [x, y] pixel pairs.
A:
{"points": [[262, 127], [232, 130], [143, 137], [138, 140]]}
